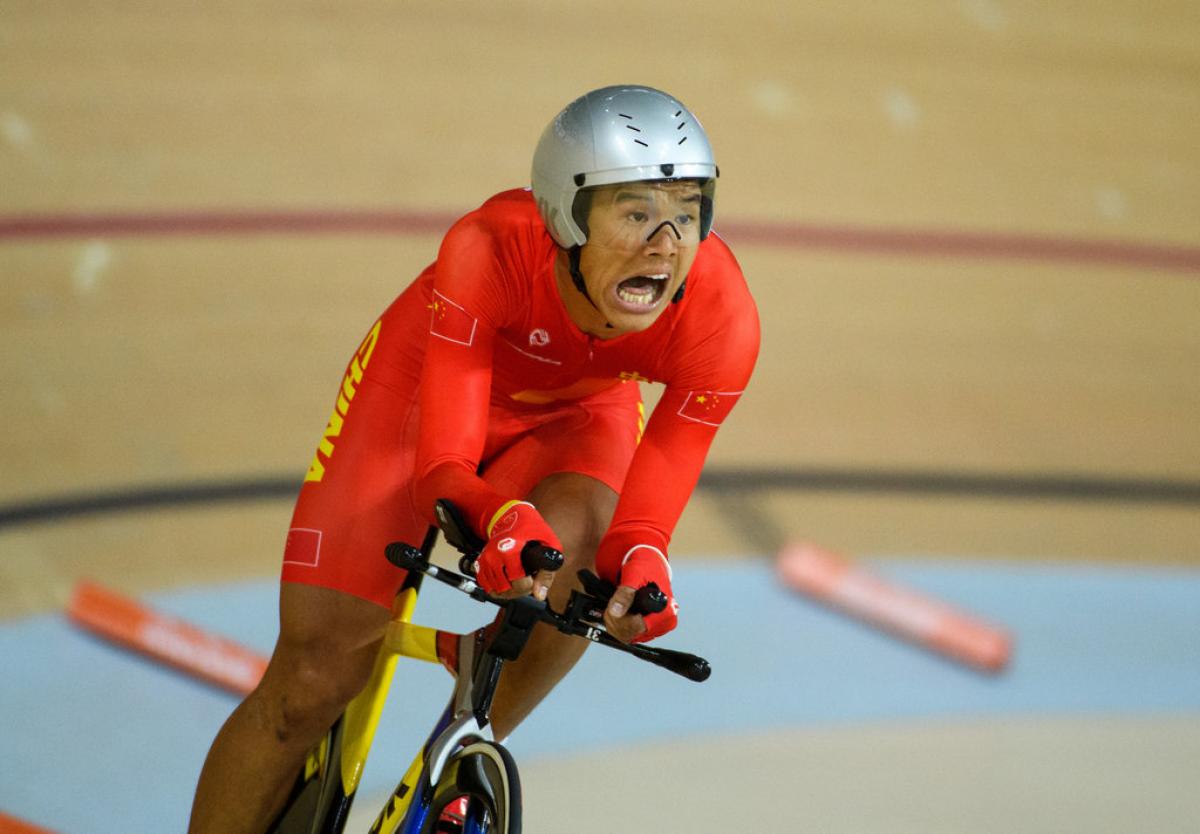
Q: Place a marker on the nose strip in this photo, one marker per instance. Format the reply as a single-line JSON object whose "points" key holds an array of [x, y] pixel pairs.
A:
{"points": [[650, 236]]}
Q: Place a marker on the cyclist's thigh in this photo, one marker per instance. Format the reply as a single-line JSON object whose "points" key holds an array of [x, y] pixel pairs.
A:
{"points": [[311, 616], [358, 495], [325, 651]]}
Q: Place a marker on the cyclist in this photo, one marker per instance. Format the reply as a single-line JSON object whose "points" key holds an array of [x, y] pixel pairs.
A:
{"points": [[505, 378]]}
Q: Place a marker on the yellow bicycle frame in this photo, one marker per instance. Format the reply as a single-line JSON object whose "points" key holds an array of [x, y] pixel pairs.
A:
{"points": [[361, 718]]}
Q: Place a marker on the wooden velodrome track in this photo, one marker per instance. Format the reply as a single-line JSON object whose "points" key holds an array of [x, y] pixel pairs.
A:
{"points": [[973, 229]]}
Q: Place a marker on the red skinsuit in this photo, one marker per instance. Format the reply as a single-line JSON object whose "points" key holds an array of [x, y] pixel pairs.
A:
{"points": [[511, 388]]}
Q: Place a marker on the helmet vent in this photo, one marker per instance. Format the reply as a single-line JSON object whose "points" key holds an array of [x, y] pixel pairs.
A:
{"points": [[631, 127], [613, 135], [634, 129]]}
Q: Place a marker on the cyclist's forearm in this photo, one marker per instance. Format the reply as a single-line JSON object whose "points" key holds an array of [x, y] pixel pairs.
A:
{"points": [[455, 479], [660, 482]]}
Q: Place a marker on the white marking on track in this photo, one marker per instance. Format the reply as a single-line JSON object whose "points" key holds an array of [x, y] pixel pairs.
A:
{"points": [[901, 108], [773, 98], [1111, 202], [16, 130], [90, 266], [986, 14]]}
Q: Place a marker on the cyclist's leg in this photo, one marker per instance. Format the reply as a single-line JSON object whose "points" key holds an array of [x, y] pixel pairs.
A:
{"points": [[327, 645], [579, 509], [336, 593]]}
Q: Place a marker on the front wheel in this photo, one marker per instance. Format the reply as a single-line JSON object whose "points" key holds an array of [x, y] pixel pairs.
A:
{"points": [[486, 774]]}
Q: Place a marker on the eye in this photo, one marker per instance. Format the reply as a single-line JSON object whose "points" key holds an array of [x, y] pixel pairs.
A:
{"points": [[638, 216], [685, 219]]}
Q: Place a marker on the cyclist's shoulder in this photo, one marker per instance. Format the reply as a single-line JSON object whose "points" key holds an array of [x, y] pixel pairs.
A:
{"points": [[718, 268], [505, 231], [717, 299], [716, 333], [504, 215], [490, 257]]}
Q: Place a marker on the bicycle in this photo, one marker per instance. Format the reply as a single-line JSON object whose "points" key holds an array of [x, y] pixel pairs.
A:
{"points": [[460, 758]]}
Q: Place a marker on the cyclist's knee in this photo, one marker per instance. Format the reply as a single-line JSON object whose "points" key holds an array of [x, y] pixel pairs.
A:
{"points": [[326, 648], [579, 508], [307, 686], [579, 549]]}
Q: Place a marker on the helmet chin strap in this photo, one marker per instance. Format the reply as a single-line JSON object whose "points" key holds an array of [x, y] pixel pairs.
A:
{"points": [[577, 279]]}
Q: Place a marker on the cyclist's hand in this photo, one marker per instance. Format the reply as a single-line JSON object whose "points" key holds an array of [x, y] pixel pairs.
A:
{"points": [[642, 566], [499, 568]]}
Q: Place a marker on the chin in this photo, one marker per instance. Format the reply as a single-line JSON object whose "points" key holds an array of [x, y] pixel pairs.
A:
{"points": [[634, 322]]}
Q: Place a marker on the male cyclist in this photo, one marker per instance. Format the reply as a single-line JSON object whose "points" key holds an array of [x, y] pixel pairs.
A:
{"points": [[505, 379]]}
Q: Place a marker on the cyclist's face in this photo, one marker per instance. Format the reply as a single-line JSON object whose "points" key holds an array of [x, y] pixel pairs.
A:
{"points": [[642, 240]]}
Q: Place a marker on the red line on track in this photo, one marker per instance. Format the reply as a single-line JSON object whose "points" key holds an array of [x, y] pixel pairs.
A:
{"points": [[978, 245], [205, 223], [853, 239]]}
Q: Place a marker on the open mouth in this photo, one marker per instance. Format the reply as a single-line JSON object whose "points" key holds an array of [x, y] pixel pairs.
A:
{"points": [[641, 292]]}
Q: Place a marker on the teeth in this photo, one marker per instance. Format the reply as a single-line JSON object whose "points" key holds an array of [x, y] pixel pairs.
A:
{"points": [[645, 296], [645, 300]]}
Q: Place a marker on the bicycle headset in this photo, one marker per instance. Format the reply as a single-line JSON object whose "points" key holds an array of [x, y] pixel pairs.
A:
{"points": [[613, 135]]}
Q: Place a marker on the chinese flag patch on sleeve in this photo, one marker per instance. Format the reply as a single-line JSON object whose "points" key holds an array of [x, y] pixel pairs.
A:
{"points": [[708, 407], [451, 322]]}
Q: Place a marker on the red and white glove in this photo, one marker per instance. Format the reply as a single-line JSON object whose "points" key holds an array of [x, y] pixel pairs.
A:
{"points": [[513, 526], [642, 565]]}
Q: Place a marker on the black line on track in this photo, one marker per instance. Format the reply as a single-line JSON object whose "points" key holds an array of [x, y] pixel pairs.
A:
{"points": [[735, 485]]}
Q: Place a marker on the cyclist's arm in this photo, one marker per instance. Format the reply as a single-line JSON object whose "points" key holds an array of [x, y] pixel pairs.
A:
{"points": [[661, 478], [665, 469], [714, 358], [469, 303]]}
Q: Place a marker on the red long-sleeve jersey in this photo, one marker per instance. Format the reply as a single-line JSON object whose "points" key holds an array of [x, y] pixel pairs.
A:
{"points": [[499, 340]]}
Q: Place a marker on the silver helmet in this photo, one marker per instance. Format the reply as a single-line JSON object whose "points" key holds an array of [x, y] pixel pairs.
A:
{"points": [[613, 135]]}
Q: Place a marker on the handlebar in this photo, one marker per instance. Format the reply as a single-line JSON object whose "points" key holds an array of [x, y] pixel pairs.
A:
{"points": [[535, 556], [583, 615]]}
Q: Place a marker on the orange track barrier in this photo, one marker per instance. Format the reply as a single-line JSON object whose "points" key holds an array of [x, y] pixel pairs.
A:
{"points": [[836, 581], [12, 825], [169, 640]]}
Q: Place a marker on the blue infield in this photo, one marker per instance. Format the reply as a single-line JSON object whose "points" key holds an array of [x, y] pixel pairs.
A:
{"points": [[103, 742]]}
